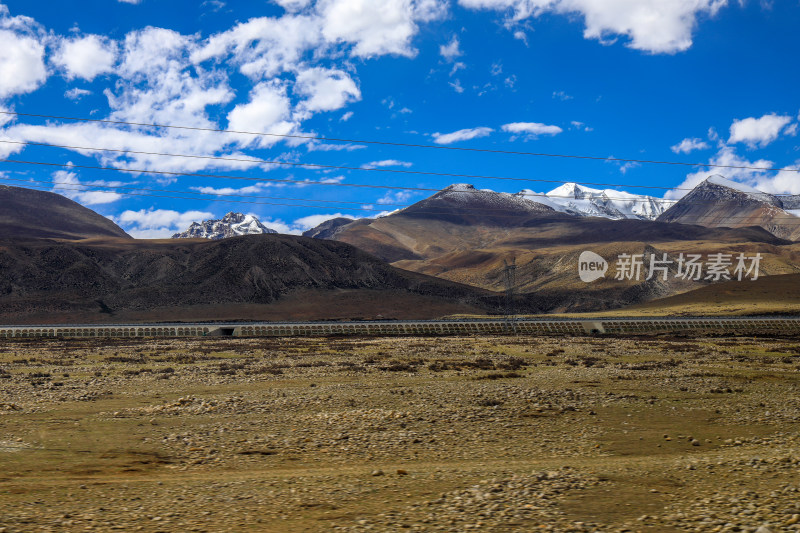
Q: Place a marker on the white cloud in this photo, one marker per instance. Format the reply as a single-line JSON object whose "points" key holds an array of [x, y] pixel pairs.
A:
{"points": [[388, 163], [160, 76], [758, 131], [312, 221], [86, 57], [130, 1], [531, 128], [561, 95], [628, 165], [5, 119], [293, 5], [230, 191], [347, 116], [784, 182], [21, 54], [656, 26], [67, 184], [396, 198], [461, 135], [314, 146], [157, 84], [580, 126], [264, 47], [152, 52], [77, 93], [377, 28], [267, 111], [215, 5], [326, 89], [6, 149], [456, 85], [158, 223], [451, 50], [87, 135], [687, 146]]}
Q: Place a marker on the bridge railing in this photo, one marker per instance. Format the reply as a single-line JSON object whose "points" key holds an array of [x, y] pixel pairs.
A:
{"points": [[489, 327]]}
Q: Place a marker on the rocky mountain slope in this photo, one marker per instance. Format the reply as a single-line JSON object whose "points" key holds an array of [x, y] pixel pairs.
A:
{"points": [[719, 202], [32, 214], [242, 277], [231, 225]]}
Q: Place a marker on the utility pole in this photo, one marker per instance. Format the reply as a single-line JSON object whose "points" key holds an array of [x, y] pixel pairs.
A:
{"points": [[510, 272]]}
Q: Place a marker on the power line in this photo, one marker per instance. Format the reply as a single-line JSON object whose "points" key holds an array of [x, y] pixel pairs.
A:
{"points": [[406, 145], [216, 176], [217, 194], [40, 187], [116, 189], [337, 167], [565, 217], [305, 183]]}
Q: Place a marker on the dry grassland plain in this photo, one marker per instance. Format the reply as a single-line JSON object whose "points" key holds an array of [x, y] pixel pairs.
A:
{"points": [[668, 433]]}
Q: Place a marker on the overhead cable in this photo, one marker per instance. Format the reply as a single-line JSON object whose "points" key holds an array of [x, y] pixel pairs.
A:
{"points": [[400, 144]]}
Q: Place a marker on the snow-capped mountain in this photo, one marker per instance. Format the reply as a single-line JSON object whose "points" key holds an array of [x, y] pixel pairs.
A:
{"points": [[578, 200], [231, 225]]}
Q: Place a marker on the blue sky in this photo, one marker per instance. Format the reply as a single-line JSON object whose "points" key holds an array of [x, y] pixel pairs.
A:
{"points": [[702, 81]]}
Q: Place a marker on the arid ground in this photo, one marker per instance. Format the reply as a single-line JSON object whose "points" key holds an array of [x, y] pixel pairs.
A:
{"points": [[666, 433]]}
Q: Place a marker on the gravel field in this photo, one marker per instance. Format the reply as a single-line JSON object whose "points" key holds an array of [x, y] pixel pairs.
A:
{"points": [[667, 433]]}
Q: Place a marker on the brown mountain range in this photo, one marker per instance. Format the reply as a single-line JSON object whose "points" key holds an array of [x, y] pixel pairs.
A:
{"points": [[278, 277], [465, 235]]}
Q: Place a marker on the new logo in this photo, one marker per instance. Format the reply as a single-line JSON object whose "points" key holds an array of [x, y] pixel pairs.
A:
{"points": [[591, 267]]}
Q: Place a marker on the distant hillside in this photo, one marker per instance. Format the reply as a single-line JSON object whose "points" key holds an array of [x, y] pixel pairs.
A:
{"points": [[461, 219], [258, 276], [32, 214], [768, 295]]}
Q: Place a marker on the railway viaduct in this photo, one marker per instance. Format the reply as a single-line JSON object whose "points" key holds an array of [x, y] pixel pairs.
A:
{"points": [[599, 326]]}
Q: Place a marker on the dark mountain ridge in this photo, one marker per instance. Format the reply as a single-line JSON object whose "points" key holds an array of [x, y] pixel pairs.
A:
{"points": [[718, 202], [32, 214], [114, 278]]}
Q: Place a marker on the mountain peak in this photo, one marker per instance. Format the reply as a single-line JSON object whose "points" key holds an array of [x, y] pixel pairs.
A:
{"points": [[737, 189], [722, 181], [718, 201], [578, 200], [231, 225]]}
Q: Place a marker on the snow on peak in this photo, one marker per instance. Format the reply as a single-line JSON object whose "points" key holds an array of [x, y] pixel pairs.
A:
{"points": [[579, 200], [574, 190], [749, 191], [735, 185], [459, 187], [231, 225]]}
